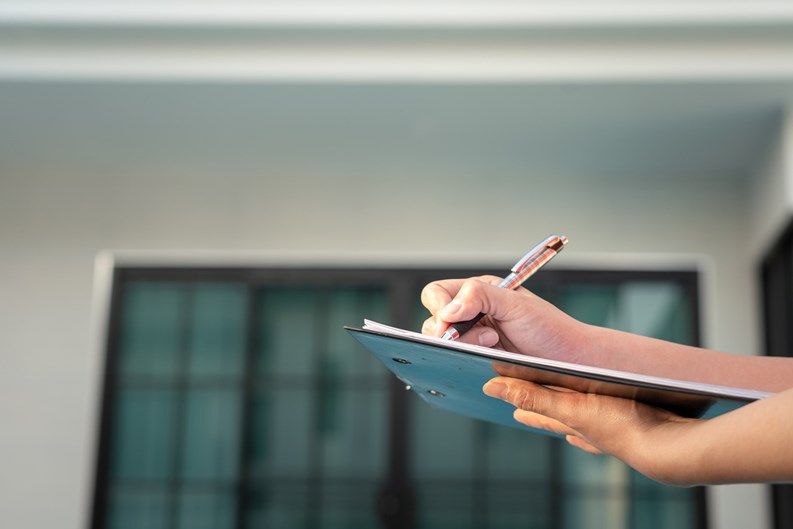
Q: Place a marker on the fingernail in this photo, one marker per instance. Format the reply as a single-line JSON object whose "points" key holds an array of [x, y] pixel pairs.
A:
{"points": [[428, 327], [450, 309], [488, 338], [495, 389]]}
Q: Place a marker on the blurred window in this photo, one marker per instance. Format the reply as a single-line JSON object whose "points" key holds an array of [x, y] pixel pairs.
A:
{"points": [[234, 399], [777, 288]]}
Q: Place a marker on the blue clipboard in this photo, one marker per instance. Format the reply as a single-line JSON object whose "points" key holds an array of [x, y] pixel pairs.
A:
{"points": [[450, 375]]}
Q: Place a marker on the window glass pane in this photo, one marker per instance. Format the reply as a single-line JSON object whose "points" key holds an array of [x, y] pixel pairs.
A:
{"points": [[280, 504], [442, 442], [282, 432], [349, 505], [143, 434], [593, 304], [130, 508], [444, 505], [607, 510], [210, 448], [655, 309], [664, 511], [659, 506], [346, 306], [420, 314], [354, 439], [288, 329], [519, 505], [580, 469], [516, 454], [206, 510], [152, 329], [218, 316]]}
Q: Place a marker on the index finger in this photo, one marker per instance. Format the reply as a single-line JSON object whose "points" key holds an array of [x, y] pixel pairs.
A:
{"points": [[438, 294]]}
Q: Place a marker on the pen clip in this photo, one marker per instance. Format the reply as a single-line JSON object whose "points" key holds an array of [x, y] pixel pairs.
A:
{"points": [[554, 242]]}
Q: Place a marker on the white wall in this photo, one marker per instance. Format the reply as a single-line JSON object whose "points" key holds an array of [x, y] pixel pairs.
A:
{"points": [[771, 189], [52, 226]]}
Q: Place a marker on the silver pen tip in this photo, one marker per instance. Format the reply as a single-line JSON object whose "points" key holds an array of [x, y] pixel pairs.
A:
{"points": [[451, 334]]}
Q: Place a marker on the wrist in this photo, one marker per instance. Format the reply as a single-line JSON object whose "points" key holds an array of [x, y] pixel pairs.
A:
{"points": [[672, 453], [584, 344]]}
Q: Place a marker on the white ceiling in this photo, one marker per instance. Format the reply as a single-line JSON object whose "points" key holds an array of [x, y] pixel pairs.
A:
{"points": [[583, 90], [624, 131]]}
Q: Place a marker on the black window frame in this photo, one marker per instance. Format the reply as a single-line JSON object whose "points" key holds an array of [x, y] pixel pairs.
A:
{"points": [[776, 284]]}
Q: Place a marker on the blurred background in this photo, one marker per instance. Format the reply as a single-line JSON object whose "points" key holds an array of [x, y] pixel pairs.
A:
{"points": [[196, 196]]}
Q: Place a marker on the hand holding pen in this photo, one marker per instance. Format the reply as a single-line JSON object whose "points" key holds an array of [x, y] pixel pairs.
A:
{"points": [[526, 267]]}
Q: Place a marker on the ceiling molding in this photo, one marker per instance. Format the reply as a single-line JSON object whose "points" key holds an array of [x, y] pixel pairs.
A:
{"points": [[476, 14], [382, 42]]}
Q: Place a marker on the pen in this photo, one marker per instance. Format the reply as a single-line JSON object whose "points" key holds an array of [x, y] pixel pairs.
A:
{"points": [[523, 269]]}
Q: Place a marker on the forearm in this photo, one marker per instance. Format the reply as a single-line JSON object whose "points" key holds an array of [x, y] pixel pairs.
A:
{"points": [[639, 354]]}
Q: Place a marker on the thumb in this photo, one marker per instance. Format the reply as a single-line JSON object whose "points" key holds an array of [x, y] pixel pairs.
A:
{"points": [[480, 335]]}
